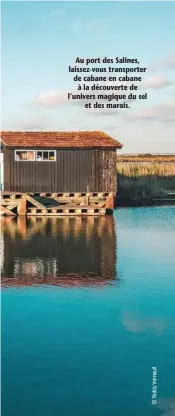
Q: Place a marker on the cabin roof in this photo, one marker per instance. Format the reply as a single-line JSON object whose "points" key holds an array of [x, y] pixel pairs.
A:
{"points": [[58, 139]]}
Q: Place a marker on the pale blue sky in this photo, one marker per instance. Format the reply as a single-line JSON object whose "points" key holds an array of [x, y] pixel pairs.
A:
{"points": [[41, 39]]}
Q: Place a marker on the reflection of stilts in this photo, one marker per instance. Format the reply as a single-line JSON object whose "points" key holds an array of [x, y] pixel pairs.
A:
{"points": [[8, 226], [89, 227], [5, 223], [100, 227], [77, 226], [109, 224], [21, 225], [53, 224], [36, 226], [62, 247], [66, 227], [28, 227]]}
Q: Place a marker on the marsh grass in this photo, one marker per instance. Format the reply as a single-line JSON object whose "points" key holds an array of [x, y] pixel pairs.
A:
{"points": [[138, 182]]}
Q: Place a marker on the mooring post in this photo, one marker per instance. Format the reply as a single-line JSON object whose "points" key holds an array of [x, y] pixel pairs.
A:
{"points": [[110, 201]]}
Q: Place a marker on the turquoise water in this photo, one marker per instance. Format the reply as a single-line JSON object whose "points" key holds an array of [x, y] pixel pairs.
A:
{"points": [[85, 344]]}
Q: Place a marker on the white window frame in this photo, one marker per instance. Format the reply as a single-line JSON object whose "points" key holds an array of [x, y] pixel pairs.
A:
{"points": [[35, 155], [46, 150], [24, 150]]}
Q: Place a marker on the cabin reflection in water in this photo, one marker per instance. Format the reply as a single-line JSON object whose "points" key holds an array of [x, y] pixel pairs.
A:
{"points": [[58, 251]]}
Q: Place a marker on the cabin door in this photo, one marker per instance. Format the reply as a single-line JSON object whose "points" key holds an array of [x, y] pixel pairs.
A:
{"points": [[1, 171]]}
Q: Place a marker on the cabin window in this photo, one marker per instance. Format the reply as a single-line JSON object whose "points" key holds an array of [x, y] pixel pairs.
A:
{"points": [[24, 155], [28, 155], [46, 155]]}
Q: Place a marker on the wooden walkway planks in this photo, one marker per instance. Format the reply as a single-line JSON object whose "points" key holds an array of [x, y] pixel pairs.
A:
{"points": [[67, 210], [50, 204]]}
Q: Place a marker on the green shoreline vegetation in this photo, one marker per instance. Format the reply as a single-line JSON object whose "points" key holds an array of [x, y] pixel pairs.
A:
{"points": [[142, 183]]}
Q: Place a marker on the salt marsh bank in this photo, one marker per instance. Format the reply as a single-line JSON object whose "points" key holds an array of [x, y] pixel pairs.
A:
{"points": [[145, 182]]}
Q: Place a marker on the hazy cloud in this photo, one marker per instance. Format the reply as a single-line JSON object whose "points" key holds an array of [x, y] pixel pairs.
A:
{"points": [[52, 98], [55, 99], [162, 112], [168, 63], [40, 123], [157, 82]]}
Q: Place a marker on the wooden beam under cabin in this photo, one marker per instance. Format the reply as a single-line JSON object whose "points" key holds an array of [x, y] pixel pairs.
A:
{"points": [[5, 211]]}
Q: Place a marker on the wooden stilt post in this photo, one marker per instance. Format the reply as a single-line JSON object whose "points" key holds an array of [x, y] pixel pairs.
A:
{"points": [[110, 201], [22, 206], [85, 200]]}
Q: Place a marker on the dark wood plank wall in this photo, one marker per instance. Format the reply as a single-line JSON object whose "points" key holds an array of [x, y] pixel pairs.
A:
{"points": [[75, 170]]}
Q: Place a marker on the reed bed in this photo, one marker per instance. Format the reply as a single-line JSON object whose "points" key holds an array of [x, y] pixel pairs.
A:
{"points": [[138, 182]]}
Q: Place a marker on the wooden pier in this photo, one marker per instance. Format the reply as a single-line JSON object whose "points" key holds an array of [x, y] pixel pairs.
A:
{"points": [[56, 204]]}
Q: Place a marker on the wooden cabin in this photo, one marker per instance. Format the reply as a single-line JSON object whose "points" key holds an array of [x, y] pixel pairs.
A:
{"points": [[59, 162]]}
